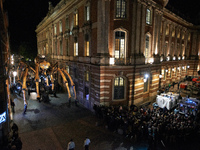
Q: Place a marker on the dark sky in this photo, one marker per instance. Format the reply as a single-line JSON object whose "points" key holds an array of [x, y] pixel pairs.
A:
{"points": [[25, 15]]}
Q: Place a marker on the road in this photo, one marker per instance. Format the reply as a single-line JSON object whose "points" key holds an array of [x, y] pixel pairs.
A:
{"points": [[49, 126]]}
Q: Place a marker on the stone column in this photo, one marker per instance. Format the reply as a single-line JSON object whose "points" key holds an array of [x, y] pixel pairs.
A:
{"points": [[154, 34], [180, 47], [133, 35], [175, 42], [194, 43], [103, 23], [138, 28], [163, 37], [143, 22], [170, 40], [185, 43]]}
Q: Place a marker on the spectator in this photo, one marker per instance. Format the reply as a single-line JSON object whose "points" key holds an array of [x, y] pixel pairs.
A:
{"points": [[71, 145], [86, 143]]}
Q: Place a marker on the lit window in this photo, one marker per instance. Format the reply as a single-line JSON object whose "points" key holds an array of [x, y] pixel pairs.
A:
{"points": [[87, 10], [87, 46], [87, 76], [120, 9], [119, 88], [75, 47], [119, 44], [147, 47], [55, 28], [76, 19], [60, 26], [148, 16], [67, 69]]}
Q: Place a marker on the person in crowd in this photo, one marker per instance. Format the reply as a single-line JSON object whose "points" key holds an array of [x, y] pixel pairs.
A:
{"points": [[86, 143], [71, 145]]}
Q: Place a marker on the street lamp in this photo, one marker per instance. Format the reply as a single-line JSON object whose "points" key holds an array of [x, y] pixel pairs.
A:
{"points": [[14, 74]]}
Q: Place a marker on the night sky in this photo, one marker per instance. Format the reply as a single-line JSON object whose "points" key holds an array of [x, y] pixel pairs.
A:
{"points": [[25, 15]]}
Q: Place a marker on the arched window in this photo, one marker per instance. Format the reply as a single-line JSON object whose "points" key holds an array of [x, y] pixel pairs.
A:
{"points": [[120, 9], [119, 44], [119, 89]]}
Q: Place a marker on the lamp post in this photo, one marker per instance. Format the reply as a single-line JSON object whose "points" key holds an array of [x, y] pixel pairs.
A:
{"points": [[14, 74]]}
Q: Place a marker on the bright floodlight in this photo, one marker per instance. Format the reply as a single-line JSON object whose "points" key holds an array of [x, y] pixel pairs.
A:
{"points": [[146, 75], [14, 73]]}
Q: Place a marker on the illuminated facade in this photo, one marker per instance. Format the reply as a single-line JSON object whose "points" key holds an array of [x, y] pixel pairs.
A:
{"points": [[4, 77], [116, 50]]}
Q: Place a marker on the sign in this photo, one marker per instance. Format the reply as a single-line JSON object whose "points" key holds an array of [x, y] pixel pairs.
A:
{"points": [[3, 117]]}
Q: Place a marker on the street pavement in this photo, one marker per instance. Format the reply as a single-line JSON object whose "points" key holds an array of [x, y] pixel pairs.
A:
{"points": [[50, 126]]}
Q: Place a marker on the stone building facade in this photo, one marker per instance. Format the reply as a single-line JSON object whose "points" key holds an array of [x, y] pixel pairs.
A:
{"points": [[4, 76], [119, 51]]}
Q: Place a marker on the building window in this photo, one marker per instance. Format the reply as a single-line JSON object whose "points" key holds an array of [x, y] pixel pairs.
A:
{"points": [[67, 23], [146, 85], [56, 47], [87, 13], [75, 73], [60, 26], [87, 93], [76, 19], [120, 9], [147, 47], [148, 16], [87, 76], [61, 47], [67, 46], [55, 29], [119, 88], [67, 69], [119, 44], [75, 47], [87, 45]]}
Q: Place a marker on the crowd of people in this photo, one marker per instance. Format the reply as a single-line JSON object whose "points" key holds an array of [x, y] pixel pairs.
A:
{"points": [[14, 141], [147, 123]]}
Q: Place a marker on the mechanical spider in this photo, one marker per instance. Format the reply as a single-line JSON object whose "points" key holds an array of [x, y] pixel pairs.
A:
{"points": [[44, 71]]}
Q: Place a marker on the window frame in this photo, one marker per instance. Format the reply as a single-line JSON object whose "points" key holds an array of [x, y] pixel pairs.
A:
{"points": [[125, 41], [148, 16], [76, 18], [75, 46], [119, 11], [117, 97], [147, 52]]}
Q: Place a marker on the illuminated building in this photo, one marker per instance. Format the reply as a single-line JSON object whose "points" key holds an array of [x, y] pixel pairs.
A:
{"points": [[4, 77], [116, 50]]}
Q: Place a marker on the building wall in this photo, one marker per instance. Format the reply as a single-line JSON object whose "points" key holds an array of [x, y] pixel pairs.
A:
{"points": [[173, 45]]}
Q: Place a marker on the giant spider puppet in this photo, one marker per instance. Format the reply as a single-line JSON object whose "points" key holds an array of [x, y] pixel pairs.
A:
{"points": [[44, 71]]}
